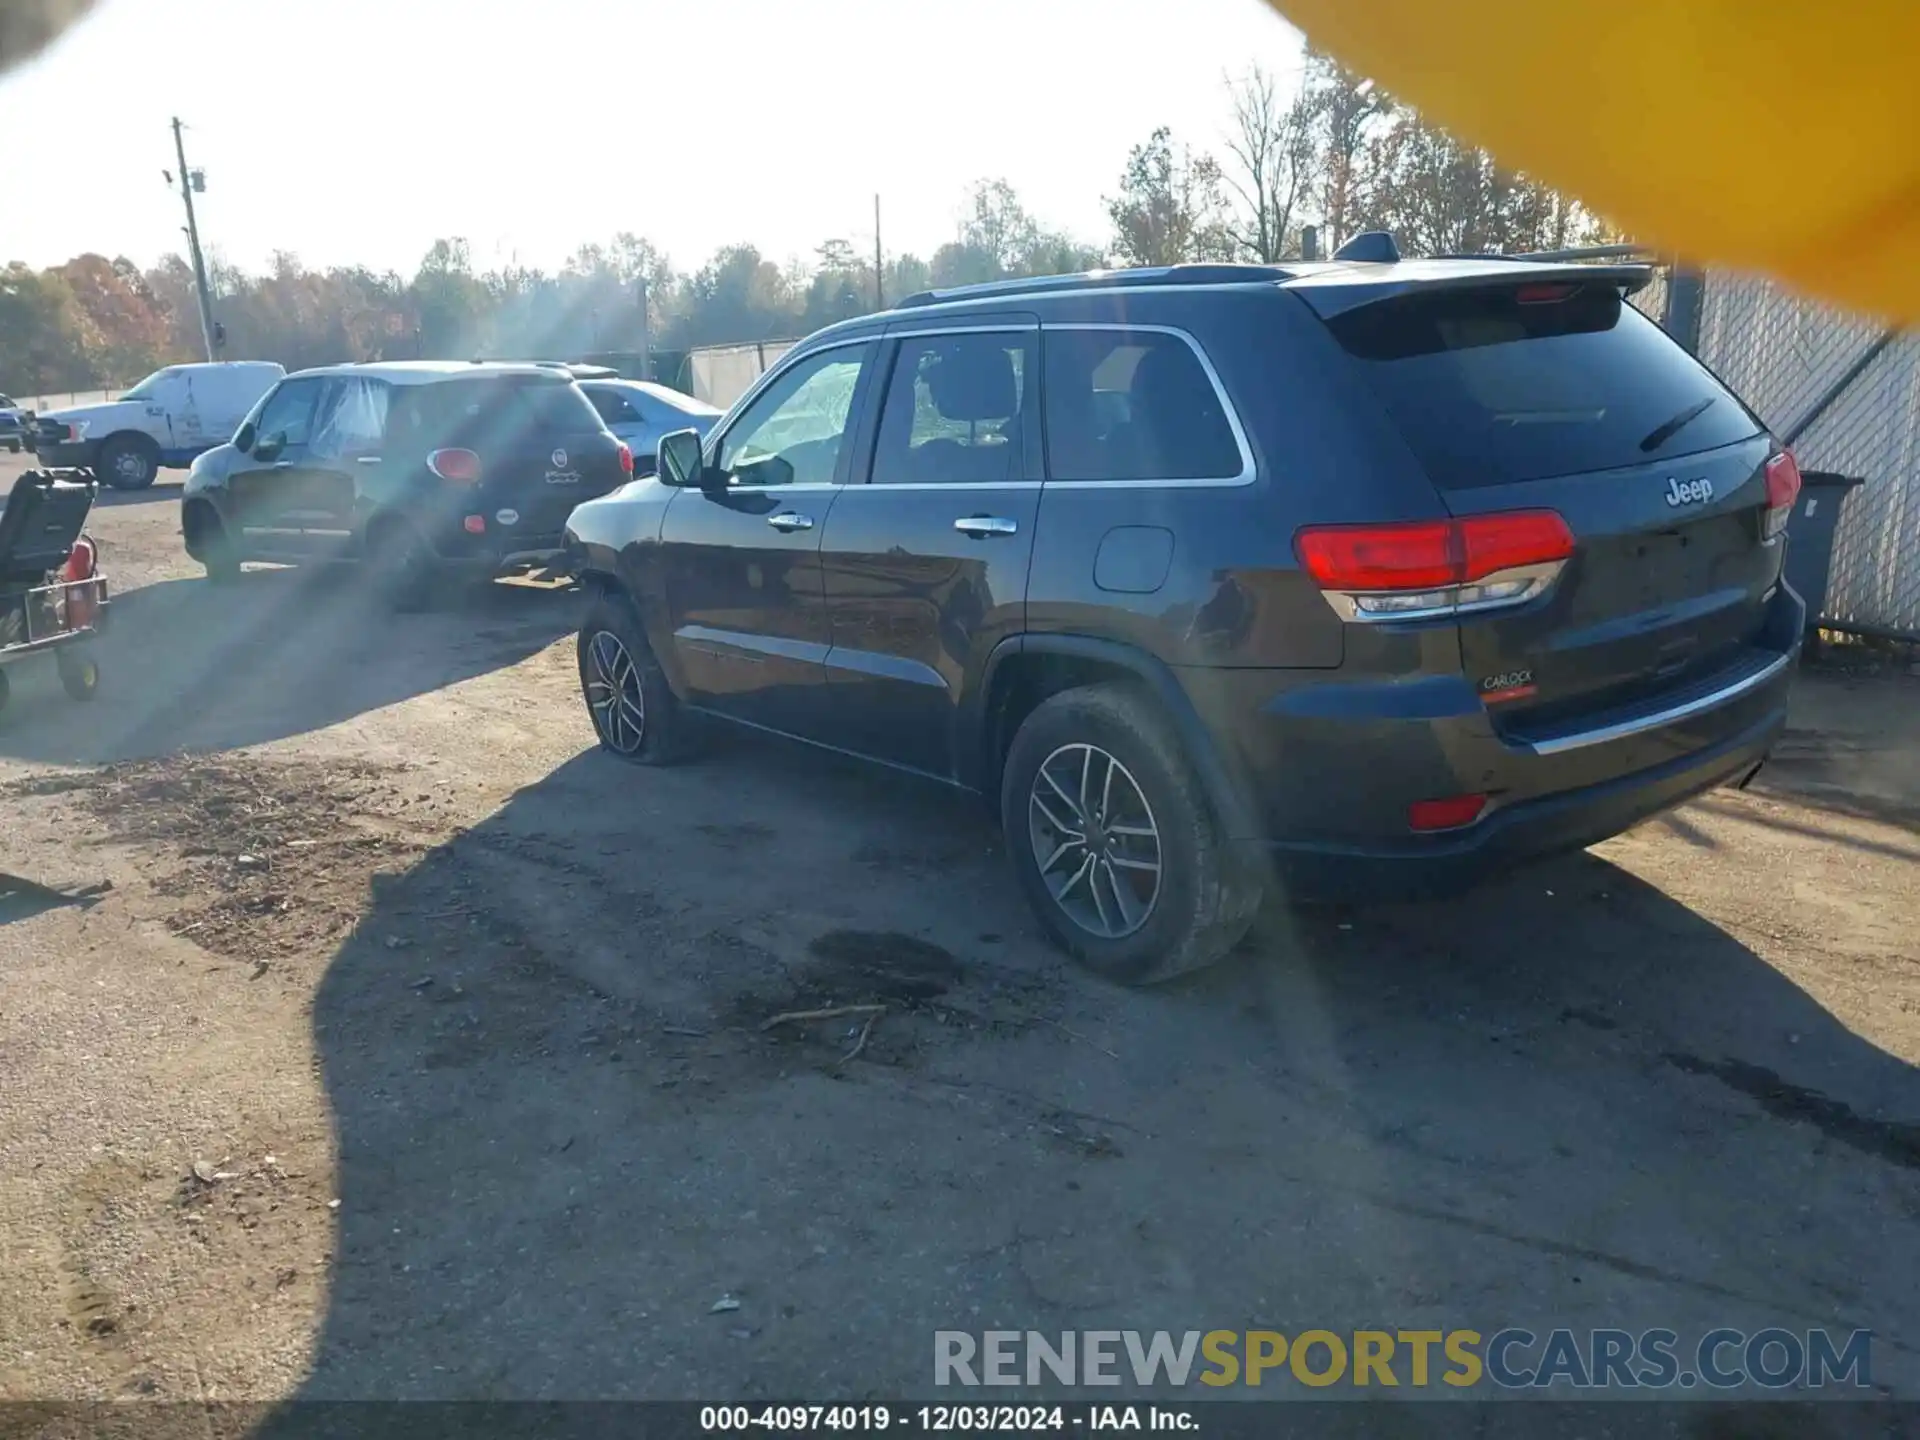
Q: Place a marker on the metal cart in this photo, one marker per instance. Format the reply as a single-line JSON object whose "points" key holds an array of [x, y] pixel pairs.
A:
{"points": [[52, 595]]}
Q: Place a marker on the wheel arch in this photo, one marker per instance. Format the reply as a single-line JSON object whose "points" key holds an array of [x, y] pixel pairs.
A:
{"points": [[197, 512], [1024, 670], [600, 575]]}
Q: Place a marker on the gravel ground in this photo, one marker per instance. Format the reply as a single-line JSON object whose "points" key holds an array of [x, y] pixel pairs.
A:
{"points": [[418, 1050]]}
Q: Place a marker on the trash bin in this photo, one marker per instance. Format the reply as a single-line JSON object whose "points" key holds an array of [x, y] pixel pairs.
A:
{"points": [[1816, 514]]}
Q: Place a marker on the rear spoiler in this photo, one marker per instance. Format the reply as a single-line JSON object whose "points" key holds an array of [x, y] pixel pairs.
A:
{"points": [[1339, 289]]}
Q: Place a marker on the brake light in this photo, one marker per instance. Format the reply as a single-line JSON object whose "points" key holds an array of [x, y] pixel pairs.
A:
{"points": [[1448, 814], [1544, 294], [81, 561], [460, 466], [1435, 567], [626, 459], [1783, 488]]}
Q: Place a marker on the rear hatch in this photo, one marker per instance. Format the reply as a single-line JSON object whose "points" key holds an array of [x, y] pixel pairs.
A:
{"points": [[1555, 394], [543, 448]]}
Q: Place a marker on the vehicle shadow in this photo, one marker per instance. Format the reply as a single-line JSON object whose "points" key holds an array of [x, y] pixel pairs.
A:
{"points": [[576, 1160], [187, 665]]}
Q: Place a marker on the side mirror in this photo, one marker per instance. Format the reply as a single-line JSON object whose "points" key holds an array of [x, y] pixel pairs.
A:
{"points": [[680, 461], [270, 445]]}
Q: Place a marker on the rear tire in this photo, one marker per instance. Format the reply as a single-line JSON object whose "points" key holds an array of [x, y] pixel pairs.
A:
{"points": [[628, 699], [403, 566], [79, 673], [1149, 889], [128, 462]]}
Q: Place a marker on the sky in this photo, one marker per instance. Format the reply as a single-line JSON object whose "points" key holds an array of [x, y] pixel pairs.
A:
{"points": [[359, 131]]}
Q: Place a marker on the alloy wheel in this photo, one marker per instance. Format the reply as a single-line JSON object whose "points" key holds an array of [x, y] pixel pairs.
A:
{"points": [[1095, 840], [614, 693]]}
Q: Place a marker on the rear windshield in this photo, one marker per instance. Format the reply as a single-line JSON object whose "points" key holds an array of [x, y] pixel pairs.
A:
{"points": [[491, 413], [1524, 382]]}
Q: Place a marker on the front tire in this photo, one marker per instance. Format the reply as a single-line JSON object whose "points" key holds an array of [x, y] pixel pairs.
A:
{"points": [[633, 709], [1113, 842], [128, 462], [210, 544]]}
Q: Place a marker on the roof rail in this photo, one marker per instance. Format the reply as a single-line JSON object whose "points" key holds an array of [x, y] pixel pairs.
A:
{"points": [[1102, 280]]}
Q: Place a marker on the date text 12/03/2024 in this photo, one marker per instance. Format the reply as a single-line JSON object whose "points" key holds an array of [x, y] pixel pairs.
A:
{"points": [[944, 1419]]}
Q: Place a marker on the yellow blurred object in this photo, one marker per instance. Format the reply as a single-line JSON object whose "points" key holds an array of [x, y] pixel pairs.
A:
{"points": [[1774, 135]]}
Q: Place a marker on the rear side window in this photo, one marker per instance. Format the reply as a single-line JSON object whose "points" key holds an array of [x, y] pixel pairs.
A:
{"points": [[953, 411], [614, 407], [1496, 386], [1133, 405], [488, 414]]}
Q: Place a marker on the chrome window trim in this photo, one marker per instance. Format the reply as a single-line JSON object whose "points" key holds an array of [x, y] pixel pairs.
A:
{"points": [[1660, 718], [950, 485], [1010, 327], [1249, 472]]}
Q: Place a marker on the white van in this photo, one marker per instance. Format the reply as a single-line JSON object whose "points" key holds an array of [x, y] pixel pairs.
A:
{"points": [[167, 419]]}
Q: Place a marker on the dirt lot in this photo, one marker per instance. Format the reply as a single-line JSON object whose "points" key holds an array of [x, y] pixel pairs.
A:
{"points": [[417, 1050]]}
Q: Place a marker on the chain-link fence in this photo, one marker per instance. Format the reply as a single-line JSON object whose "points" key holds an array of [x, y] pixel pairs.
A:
{"points": [[1844, 392]]}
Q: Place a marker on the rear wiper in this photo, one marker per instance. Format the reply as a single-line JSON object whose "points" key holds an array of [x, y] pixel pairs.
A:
{"points": [[1660, 434]]}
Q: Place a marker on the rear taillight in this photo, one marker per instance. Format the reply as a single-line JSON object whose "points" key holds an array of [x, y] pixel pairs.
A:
{"points": [[460, 466], [626, 459], [1448, 814], [1783, 488], [81, 561], [1435, 567]]}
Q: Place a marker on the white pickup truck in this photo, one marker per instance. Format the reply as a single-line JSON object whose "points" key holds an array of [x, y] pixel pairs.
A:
{"points": [[166, 420]]}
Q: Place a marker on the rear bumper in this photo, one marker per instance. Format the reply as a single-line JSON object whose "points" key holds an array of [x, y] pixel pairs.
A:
{"points": [[64, 454], [1331, 763], [485, 556], [1521, 833]]}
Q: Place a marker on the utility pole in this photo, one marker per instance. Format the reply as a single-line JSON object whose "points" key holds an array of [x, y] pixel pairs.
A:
{"points": [[193, 241], [879, 276]]}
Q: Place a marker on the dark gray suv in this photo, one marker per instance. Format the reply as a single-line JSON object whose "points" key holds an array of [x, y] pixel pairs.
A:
{"points": [[1351, 579]]}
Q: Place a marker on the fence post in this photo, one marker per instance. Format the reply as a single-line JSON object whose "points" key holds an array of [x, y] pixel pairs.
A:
{"points": [[1686, 291]]}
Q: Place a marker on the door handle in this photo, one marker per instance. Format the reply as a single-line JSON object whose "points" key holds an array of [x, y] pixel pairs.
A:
{"points": [[788, 522], [980, 527], [367, 459], [283, 464]]}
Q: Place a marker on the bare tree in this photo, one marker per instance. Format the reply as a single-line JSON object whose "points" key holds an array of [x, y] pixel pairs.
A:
{"points": [[1274, 164], [1170, 208], [1345, 107]]}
